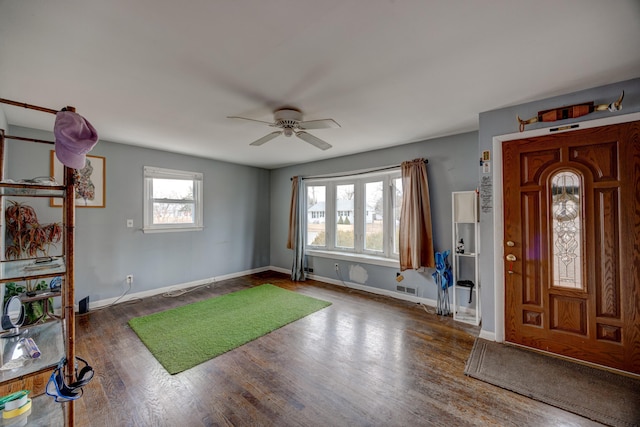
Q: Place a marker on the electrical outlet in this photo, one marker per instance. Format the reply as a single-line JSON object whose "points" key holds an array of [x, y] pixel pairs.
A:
{"points": [[129, 279], [129, 223], [336, 266]]}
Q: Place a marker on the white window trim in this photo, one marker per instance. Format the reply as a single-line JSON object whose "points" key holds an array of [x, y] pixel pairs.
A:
{"points": [[354, 257], [358, 254], [150, 173]]}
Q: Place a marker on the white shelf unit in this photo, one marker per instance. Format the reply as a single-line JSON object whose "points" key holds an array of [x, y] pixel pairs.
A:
{"points": [[465, 226]]}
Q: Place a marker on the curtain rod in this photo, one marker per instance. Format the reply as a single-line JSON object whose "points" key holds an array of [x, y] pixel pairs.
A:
{"points": [[20, 138], [34, 107], [356, 173]]}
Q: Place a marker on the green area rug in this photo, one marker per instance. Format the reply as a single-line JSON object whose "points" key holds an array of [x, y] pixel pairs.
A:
{"points": [[184, 337]]}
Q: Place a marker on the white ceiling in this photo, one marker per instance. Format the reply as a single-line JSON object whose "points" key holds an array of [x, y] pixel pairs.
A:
{"points": [[165, 74]]}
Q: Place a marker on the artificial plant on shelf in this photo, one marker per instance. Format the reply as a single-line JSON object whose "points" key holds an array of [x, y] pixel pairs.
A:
{"points": [[27, 238], [33, 310]]}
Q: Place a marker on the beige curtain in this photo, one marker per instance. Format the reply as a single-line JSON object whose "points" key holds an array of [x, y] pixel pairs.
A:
{"points": [[416, 237], [293, 212], [295, 239]]}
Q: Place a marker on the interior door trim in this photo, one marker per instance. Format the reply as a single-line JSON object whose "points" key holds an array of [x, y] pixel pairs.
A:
{"points": [[498, 206]]}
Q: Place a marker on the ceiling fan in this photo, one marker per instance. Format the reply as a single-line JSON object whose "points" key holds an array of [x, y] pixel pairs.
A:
{"points": [[290, 122]]}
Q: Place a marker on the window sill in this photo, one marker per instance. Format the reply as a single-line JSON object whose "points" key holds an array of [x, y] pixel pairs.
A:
{"points": [[352, 257], [171, 230]]}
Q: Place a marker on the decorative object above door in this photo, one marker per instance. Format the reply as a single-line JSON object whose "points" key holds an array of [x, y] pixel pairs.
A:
{"points": [[570, 112]]}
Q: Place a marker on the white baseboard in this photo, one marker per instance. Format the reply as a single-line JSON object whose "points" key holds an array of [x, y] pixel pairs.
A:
{"points": [[179, 286], [186, 285], [280, 270], [487, 335], [371, 289]]}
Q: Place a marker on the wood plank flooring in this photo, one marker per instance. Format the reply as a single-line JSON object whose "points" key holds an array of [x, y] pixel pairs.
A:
{"points": [[366, 360]]}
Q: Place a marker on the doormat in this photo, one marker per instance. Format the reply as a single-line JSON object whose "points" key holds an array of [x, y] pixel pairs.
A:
{"points": [[596, 394], [183, 337]]}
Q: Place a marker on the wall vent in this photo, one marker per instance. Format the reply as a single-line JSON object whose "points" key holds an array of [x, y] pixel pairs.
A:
{"points": [[406, 290]]}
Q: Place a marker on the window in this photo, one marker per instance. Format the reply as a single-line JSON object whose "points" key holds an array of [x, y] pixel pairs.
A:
{"points": [[567, 227], [354, 215], [374, 217], [345, 230], [397, 204], [172, 200]]}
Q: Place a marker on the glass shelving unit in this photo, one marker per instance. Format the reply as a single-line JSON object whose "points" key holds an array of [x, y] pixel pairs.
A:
{"points": [[55, 337]]}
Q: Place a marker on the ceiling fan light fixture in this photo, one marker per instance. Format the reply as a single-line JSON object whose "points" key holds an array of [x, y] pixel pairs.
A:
{"points": [[290, 121]]}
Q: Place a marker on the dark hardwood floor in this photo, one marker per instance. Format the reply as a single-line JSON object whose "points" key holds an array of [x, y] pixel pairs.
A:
{"points": [[366, 360]]}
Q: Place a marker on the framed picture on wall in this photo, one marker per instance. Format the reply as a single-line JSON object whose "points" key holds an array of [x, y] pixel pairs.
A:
{"points": [[90, 182]]}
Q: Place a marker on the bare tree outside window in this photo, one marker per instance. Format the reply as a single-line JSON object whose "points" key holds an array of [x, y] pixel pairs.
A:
{"points": [[173, 200], [374, 220]]}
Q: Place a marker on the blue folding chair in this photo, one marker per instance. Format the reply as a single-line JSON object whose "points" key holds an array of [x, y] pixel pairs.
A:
{"points": [[444, 279]]}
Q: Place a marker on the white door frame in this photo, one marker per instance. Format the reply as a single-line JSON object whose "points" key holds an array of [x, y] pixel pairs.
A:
{"points": [[498, 220]]}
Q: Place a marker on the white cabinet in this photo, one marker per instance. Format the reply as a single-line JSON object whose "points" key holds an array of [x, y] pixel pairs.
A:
{"points": [[465, 251]]}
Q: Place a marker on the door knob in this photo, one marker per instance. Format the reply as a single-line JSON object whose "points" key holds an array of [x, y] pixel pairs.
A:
{"points": [[510, 243], [511, 257]]}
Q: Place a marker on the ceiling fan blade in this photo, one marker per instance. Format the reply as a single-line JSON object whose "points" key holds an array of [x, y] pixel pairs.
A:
{"points": [[319, 124], [251, 120], [266, 138], [315, 141]]}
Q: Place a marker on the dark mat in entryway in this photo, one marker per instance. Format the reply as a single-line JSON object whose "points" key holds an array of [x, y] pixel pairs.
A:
{"points": [[593, 393]]}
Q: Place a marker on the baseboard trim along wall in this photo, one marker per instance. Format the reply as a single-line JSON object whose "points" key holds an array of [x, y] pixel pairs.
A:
{"points": [[352, 285], [176, 287], [487, 335]]}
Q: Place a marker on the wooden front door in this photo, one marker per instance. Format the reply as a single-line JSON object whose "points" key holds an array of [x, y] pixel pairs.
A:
{"points": [[572, 244]]}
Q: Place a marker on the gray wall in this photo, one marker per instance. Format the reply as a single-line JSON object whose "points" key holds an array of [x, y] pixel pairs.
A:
{"points": [[236, 220], [502, 122], [453, 166], [3, 120]]}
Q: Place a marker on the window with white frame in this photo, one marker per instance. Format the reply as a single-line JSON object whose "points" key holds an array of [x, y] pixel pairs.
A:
{"points": [[357, 214], [172, 200]]}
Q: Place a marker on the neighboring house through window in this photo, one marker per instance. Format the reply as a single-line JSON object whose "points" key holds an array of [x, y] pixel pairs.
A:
{"points": [[355, 215]]}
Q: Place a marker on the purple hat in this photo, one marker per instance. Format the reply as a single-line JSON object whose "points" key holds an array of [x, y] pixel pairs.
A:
{"points": [[75, 137]]}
